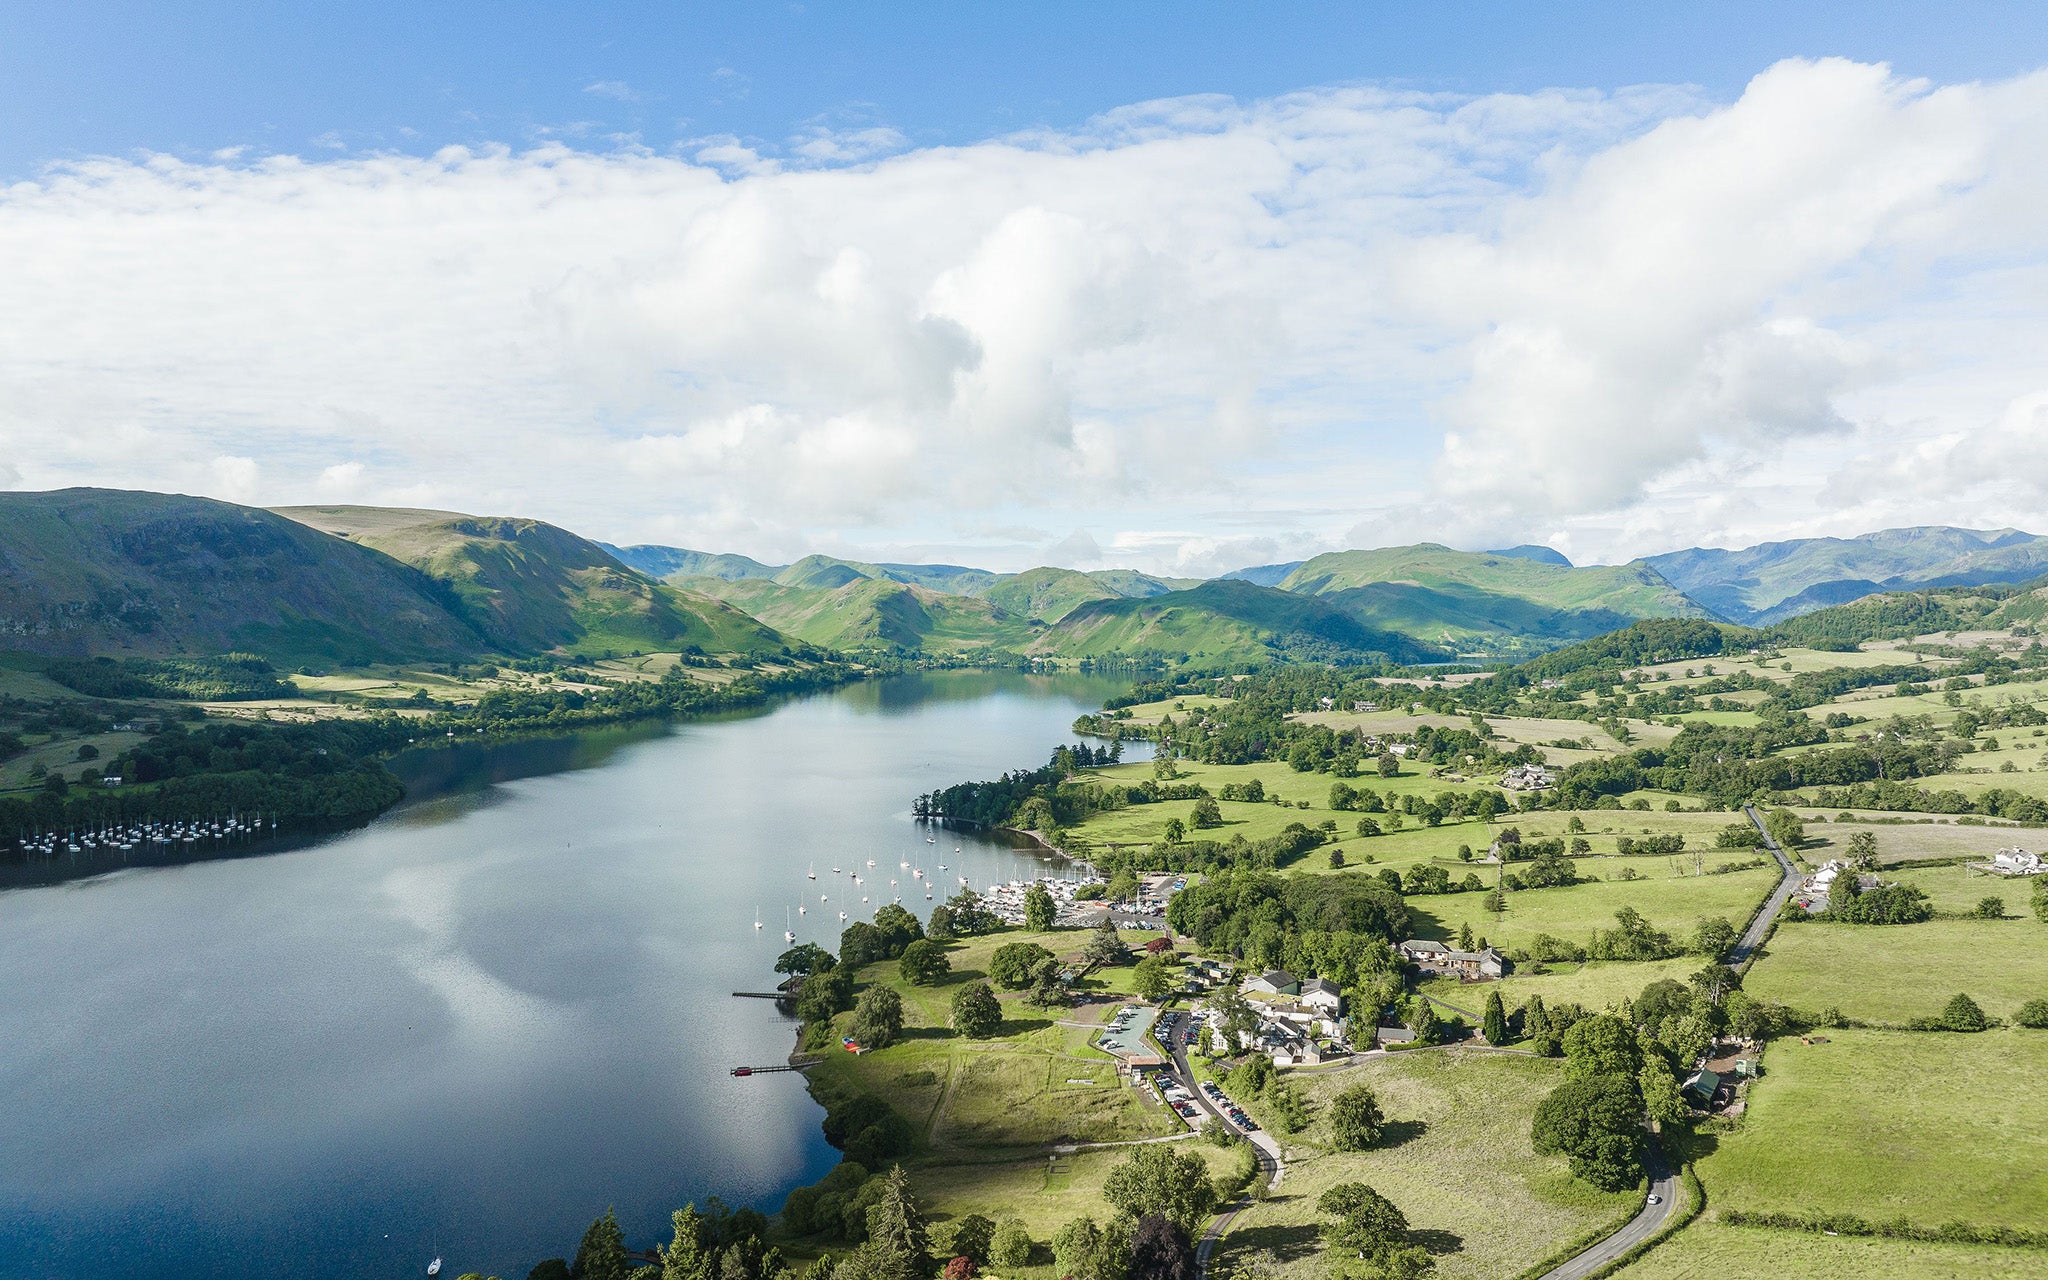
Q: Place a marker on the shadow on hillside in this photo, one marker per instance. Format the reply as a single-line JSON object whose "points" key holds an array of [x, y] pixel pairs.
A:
{"points": [[1285, 1243], [1395, 1133], [1438, 1242]]}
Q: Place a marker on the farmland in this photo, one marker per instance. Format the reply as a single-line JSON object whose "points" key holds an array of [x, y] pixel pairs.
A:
{"points": [[1891, 974]]}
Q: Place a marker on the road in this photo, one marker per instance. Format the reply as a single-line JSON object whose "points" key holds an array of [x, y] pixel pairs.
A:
{"points": [[1271, 1164], [1753, 937], [1664, 1186]]}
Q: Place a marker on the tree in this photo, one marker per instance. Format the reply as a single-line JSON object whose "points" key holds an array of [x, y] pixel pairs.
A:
{"points": [[1494, 1024], [898, 928], [1713, 937], [877, 1019], [602, 1254], [1661, 1096], [1336, 859], [1039, 909], [970, 915], [1011, 1245], [971, 1237], [896, 1230], [2033, 1014], [1160, 1250], [1355, 1118], [940, 926], [1863, 851], [824, 994], [1991, 908], [2040, 902], [977, 1014], [1047, 991], [1175, 831], [1536, 1029], [1156, 1179], [1367, 1224], [1390, 765], [1786, 828], [1962, 1014], [1233, 1015], [1424, 1020], [1594, 1122], [1105, 947], [688, 1254], [806, 958], [1465, 937], [1602, 1045], [1153, 978], [1073, 1246], [1015, 963], [1205, 814], [924, 963], [860, 943], [959, 1268], [549, 1269]]}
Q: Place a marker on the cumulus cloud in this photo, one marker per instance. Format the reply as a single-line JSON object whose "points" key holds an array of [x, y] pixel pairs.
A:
{"points": [[1573, 316]]}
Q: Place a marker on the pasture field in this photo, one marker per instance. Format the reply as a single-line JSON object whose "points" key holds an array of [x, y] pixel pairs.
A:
{"points": [[1672, 903], [1929, 1126], [1956, 890], [1917, 836], [1045, 1192], [1006, 1092], [1708, 1250], [1593, 986], [1457, 1163], [1891, 974]]}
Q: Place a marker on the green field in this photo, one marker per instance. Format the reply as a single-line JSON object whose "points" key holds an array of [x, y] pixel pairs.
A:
{"points": [[1927, 1126], [1459, 1167], [1957, 889], [1895, 973], [1002, 1093], [1707, 1250], [1045, 1191], [1594, 985], [1672, 903]]}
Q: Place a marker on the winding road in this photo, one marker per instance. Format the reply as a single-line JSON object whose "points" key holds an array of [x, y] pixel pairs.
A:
{"points": [[1271, 1162], [1753, 937], [1663, 1189]]}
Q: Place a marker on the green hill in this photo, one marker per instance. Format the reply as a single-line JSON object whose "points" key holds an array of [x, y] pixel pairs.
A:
{"points": [[1776, 580], [875, 613], [1490, 601], [1224, 622], [1046, 594], [528, 586], [100, 571]]}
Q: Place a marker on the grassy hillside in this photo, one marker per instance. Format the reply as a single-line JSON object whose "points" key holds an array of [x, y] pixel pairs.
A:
{"points": [[1223, 621], [675, 562], [1775, 580], [1495, 602], [1047, 594], [105, 571], [874, 613], [527, 586]]}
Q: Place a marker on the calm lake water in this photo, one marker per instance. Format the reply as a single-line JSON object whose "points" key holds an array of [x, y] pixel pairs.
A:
{"points": [[471, 1026]]}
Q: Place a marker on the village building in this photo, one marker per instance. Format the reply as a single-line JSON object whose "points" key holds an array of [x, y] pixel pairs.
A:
{"points": [[1273, 982], [1471, 966], [2018, 862], [1528, 777]]}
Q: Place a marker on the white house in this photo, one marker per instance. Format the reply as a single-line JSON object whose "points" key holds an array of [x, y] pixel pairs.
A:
{"points": [[1273, 982], [1321, 993], [2017, 862]]}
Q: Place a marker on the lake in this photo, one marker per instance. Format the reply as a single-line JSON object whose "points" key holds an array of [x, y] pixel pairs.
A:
{"points": [[469, 1027]]}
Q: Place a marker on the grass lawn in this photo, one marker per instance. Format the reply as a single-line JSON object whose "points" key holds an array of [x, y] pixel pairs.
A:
{"points": [[1958, 890], [1007, 1092], [1919, 837], [1594, 985], [1895, 973], [1046, 1192], [1882, 1124], [1672, 903], [1459, 1166], [1706, 1250]]}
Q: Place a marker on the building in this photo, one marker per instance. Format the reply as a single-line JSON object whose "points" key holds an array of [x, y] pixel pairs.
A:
{"points": [[1469, 965], [2017, 862], [1423, 951], [1321, 993], [1273, 982], [1528, 777]]}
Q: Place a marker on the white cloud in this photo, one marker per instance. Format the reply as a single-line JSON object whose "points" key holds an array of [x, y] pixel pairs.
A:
{"points": [[1611, 321], [617, 90]]}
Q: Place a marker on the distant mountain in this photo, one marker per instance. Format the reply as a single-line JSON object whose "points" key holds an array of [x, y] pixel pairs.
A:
{"points": [[1224, 621], [1530, 551], [868, 613], [667, 562], [527, 586], [1264, 575], [1486, 601], [100, 571], [1776, 580]]}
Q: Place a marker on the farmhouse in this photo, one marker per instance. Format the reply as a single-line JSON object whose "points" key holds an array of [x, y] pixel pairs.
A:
{"points": [[1321, 993], [2018, 862], [1528, 777], [1423, 951], [1469, 965]]}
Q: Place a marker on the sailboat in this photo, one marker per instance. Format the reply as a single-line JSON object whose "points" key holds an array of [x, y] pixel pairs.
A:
{"points": [[842, 915], [434, 1267], [814, 871], [757, 917], [788, 934], [835, 871]]}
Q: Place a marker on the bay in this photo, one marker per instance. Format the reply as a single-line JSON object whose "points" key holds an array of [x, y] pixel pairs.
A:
{"points": [[470, 1027]]}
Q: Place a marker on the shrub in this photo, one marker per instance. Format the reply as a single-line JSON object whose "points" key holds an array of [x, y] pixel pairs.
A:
{"points": [[2034, 1013], [1962, 1014]]}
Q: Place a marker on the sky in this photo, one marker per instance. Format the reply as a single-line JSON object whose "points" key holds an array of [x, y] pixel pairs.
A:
{"points": [[1180, 287]]}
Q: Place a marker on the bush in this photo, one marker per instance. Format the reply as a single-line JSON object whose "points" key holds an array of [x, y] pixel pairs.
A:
{"points": [[1962, 1014], [1011, 1245], [2034, 1013]]}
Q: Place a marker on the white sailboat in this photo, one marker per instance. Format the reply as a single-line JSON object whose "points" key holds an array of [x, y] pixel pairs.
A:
{"points": [[757, 917], [788, 934], [814, 871]]}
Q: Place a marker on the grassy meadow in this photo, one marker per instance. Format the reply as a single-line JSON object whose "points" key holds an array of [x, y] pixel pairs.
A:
{"points": [[1708, 1250], [1673, 903], [1892, 974], [1928, 1126], [1457, 1163]]}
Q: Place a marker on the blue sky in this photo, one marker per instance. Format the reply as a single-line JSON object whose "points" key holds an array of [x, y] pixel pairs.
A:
{"points": [[1157, 285], [189, 78]]}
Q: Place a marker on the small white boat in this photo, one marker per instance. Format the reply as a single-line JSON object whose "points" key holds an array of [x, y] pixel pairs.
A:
{"points": [[788, 935], [871, 862], [835, 871], [434, 1267], [863, 899], [814, 871], [842, 915], [904, 865]]}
